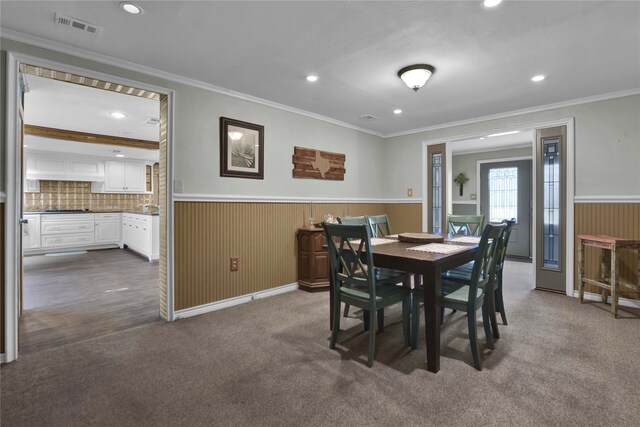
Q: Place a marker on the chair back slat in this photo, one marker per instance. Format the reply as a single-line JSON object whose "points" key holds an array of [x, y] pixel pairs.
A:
{"points": [[471, 225], [483, 272], [352, 220], [502, 250], [379, 225], [350, 256]]}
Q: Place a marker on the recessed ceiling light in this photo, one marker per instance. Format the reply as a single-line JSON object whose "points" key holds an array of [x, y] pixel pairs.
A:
{"points": [[118, 115], [131, 8], [511, 132], [397, 111], [119, 155], [312, 78], [538, 78], [491, 3], [482, 137]]}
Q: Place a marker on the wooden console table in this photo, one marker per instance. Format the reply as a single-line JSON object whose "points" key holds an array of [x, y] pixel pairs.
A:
{"points": [[313, 260], [610, 280]]}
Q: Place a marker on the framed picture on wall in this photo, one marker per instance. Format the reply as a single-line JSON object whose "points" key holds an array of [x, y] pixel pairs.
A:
{"points": [[241, 149]]}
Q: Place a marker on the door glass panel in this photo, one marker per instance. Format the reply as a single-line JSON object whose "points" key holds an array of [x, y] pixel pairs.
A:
{"points": [[503, 194], [551, 204], [436, 187]]}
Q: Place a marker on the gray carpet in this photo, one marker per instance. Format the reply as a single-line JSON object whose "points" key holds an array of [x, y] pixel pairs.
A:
{"points": [[268, 363]]}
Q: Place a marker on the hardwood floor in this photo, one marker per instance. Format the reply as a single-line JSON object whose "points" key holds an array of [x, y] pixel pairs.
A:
{"points": [[71, 298]]}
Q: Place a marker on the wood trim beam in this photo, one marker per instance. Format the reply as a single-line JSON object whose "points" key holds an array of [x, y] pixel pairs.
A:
{"points": [[92, 138]]}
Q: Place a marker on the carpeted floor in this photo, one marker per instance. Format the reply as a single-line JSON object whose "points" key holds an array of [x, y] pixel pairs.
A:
{"points": [[268, 363]]}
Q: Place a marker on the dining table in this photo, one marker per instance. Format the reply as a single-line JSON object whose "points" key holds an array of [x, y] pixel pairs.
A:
{"points": [[429, 266]]}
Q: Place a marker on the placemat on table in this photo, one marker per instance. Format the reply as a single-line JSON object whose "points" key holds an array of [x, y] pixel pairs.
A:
{"points": [[465, 239], [420, 238], [375, 241], [438, 248]]}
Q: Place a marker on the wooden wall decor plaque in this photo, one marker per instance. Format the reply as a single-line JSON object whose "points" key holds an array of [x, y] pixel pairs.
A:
{"points": [[317, 164]]}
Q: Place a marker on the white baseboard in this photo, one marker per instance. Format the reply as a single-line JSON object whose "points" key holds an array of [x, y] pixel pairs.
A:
{"points": [[219, 305], [625, 302], [3, 358]]}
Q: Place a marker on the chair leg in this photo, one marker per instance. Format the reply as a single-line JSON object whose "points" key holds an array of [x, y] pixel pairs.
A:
{"points": [[372, 337], [415, 320], [406, 320], [346, 310], [490, 304], [499, 300], [336, 324], [487, 325], [473, 338], [441, 315], [381, 320]]}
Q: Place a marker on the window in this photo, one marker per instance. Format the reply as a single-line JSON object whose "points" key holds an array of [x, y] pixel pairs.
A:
{"points": [[551, 204], [436, 192], [503, 194]]}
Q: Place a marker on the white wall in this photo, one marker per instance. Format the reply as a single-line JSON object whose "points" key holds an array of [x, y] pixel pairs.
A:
{"points": [[607, 147], [468, 164], [196, 143]]}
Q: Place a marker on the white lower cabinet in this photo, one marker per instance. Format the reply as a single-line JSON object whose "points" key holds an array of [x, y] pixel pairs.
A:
{"points": [[67, 230], [108, 228], [31, 232], [141, 233]]}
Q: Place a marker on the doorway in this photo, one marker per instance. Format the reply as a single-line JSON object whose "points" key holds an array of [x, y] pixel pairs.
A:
{"points": [[14, 207], [505, 193]]}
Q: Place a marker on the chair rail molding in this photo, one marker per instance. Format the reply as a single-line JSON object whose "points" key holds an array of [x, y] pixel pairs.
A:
{"points": [[606, 199], [231, 198]]}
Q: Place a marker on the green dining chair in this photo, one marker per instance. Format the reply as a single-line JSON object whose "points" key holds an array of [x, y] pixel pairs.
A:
{"points": [[356, 220], [470, 225], [379, 225], [463, 274], [358, 282], [471, 296]]}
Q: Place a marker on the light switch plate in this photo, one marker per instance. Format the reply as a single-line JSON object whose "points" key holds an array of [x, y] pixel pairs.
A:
{"points": [[473, 196], [409, 192]]}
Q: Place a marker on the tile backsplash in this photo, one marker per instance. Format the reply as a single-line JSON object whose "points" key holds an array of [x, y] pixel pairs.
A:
{"points": [[78, 195]]}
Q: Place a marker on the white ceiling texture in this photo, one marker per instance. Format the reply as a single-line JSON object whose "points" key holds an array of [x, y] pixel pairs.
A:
{"points": [[484, 58]]}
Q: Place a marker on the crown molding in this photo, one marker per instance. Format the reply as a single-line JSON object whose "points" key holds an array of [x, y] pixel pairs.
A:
{"points": [[546, 107], [132, 66]]}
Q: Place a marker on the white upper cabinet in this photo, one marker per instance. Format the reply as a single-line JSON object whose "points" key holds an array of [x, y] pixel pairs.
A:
{"points": [[124, 177], [63, 167]]}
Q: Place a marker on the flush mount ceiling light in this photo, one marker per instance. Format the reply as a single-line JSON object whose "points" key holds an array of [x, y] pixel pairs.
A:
{"points": [[118, 115], [415, 76], [131, 8], [538, 78], [312, 78], [491, 3]]}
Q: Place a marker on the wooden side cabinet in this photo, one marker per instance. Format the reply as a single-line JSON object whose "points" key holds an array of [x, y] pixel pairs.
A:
{"points": [[313, 260]]}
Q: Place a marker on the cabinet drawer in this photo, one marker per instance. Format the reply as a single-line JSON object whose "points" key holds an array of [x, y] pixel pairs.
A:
{"points": [[68, 227], [115, 216], [67, 240], [67, 217]]}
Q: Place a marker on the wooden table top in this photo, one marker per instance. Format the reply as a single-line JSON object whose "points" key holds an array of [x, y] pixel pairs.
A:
{"points": [[610, 240]]}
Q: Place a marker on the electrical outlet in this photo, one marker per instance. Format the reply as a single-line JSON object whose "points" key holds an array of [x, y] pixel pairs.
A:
{"points": [[409, 192], [234, 264], [473, 196]]}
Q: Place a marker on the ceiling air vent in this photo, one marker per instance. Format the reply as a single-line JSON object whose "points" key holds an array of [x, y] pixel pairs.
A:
{"points": [[152, 121], [78, 24], [368, 117]]}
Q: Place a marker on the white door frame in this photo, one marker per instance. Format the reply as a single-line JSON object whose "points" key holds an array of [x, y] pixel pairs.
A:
{"points": [[570, 193], [13, 177]]}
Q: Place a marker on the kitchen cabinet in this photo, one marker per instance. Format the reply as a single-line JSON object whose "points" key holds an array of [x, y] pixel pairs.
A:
{"points": [[107, 228], [62, 167], [124, 177], [66, 230], [141, 233], [31, 232]]}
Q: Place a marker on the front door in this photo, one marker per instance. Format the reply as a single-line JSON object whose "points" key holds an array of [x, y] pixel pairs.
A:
{"points": [[505, 193]]}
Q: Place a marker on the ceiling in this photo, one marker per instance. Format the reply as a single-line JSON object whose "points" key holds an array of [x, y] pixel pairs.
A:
{"points": [[484, 58]]}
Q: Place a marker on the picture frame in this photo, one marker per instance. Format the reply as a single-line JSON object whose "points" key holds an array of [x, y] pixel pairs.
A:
{"points": [[241, 149]]}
